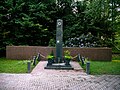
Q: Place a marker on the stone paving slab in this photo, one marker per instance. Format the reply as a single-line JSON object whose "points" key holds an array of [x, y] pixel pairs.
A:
{"points": [[45, 81], [40, 68], [58, 80]]}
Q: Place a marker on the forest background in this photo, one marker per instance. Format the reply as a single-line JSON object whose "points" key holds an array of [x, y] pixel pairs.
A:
{"points": [[33, 22]]}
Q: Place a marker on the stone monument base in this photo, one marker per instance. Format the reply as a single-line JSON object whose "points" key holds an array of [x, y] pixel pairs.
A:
{"points": [[59, 66]]}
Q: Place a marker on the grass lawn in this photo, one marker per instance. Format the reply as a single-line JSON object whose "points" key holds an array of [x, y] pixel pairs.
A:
{"points": [[98, 68], [13, 66]]}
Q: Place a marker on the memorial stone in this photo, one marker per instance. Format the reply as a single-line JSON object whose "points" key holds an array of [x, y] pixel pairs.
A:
{"points": [[59, 63], [59, 41]]}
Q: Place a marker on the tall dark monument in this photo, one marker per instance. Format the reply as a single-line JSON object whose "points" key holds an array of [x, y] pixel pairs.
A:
{"points": [[59, 40], [58, 64]]}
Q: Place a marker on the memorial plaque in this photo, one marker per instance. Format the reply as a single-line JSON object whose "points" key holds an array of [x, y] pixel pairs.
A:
{"points": [[59, 41]]}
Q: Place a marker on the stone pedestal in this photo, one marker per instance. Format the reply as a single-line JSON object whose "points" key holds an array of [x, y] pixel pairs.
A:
{"points": [[59, 66]]}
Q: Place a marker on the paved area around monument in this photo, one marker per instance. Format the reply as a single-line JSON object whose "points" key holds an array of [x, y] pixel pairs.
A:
{"points": [[40, 79]]}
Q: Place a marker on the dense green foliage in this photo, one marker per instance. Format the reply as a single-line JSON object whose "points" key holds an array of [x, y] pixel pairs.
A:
{"points": [[84, 41], [67, 55], [33, 22]]}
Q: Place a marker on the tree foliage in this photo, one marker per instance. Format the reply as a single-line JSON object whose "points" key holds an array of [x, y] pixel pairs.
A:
{"points": [[33, 22]]}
